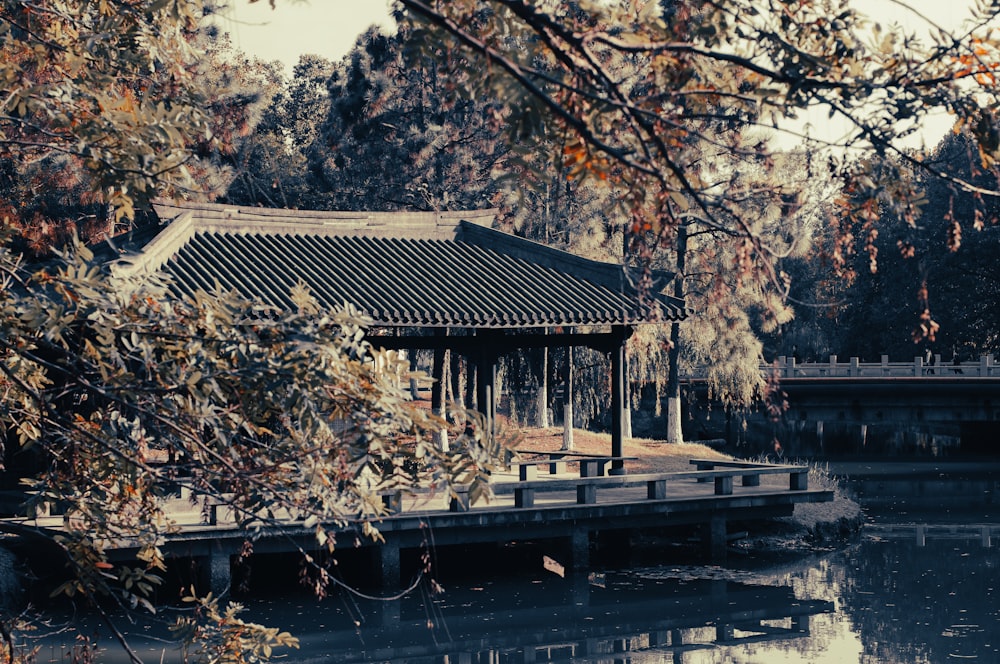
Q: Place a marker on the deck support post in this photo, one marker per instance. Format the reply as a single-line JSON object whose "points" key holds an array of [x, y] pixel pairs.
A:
{"points": [[725, 633], [715, 530], [387, 559], [801, 624], [618, 400], [580, 549], [215, 572], [389, 613]]}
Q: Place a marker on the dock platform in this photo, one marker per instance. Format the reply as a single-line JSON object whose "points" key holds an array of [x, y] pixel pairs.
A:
{"points": [[562, 506]]}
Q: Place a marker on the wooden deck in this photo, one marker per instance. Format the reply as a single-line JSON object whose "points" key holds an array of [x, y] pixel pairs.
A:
{"points": [[562, 506]]}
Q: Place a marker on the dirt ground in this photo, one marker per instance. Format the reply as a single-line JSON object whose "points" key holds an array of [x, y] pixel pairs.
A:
{"points": [[653, 456]]}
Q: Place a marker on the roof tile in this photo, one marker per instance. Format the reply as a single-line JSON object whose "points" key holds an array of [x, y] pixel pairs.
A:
{"points": [[418, 277]]}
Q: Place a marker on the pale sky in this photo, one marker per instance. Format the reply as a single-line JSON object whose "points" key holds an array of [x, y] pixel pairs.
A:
{"points": [[329, 28], [321, 27]]}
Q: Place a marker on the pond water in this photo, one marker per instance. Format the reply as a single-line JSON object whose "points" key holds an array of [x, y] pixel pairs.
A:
{"points": [[889, 597], [880, 600]]}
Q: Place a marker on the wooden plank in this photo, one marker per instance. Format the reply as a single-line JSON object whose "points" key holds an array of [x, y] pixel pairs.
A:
{"points": [[562, 454]]}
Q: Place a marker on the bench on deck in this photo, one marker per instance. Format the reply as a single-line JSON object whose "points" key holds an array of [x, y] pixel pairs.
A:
{"points": [[797, 481], [591, 465]]}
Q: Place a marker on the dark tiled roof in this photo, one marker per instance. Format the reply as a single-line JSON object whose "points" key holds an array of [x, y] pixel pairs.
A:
{"points": [[416, 269]]}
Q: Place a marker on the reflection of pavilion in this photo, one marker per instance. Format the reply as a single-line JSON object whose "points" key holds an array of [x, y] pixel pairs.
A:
{"points": [[512, 621], [575, 619]]}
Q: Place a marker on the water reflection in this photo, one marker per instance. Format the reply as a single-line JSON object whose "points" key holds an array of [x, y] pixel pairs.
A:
{"points": [[928, 603], [882, 600], [610, 617]]}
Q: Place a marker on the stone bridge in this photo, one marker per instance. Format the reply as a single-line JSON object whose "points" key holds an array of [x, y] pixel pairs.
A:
{"points": [[903, 392], [962, 397]]}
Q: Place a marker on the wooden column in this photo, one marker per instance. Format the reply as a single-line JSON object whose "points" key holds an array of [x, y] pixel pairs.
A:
{"points": [[568, 400], [486, 380], [618, 402]]}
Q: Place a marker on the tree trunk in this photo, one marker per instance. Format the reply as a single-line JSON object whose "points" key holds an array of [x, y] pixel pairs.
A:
{"points": [[542, 393], [438, 394], [674, 430], [627, 402], [455, 374]]}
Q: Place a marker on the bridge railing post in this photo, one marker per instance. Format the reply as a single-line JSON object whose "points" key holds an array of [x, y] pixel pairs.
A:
{"points": [[918, 366], [986, 365], [833, 365], [885, 365], [854, 369]]}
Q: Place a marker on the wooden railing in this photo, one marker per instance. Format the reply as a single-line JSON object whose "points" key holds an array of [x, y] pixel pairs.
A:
{"points": [[788, 367], [656, 484]]}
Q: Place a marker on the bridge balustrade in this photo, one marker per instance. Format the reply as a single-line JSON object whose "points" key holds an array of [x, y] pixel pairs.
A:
{"points": [[788, 367]]}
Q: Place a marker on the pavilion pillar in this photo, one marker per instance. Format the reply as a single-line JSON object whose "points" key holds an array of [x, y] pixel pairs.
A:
{"points": [[568, 401], [618, 401], [486, 380]]}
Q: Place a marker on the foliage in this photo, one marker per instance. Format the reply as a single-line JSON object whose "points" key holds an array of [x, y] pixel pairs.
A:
{"points": [[326, 141], [875, 310], [125, 393], [646, 92], [219, 635], [272, 163], [109, 104]]}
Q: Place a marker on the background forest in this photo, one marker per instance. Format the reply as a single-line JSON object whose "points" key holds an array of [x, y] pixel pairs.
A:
{"points": [[322, 138], [327, 131]]}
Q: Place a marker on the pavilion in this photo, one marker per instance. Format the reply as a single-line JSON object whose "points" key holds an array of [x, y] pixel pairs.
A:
{"points": [[427, 280]]}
